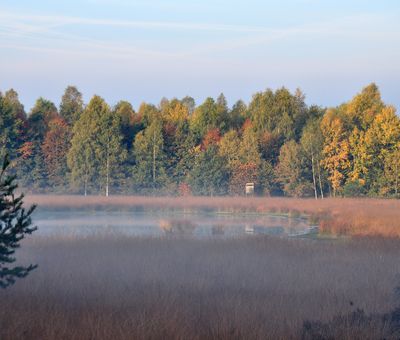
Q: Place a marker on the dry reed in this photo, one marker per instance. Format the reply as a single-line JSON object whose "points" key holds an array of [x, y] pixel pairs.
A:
{"points": [[252, 288]]}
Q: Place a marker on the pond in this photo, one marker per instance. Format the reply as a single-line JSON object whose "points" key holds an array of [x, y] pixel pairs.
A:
{"points": [[199, 224]]}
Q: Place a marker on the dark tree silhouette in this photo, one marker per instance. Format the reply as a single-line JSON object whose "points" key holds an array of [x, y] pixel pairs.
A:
{"points": [[15, 223]]}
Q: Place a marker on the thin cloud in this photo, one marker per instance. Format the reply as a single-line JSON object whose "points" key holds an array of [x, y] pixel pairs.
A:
{"points": [[57, 20], [345, 28], [42, 35]]}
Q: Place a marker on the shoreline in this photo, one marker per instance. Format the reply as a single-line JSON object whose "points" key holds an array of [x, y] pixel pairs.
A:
{"points": [[335, 216]]}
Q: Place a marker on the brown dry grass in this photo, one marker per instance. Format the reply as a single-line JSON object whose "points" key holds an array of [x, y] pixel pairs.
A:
{"points": [[354, 217], [249, 288]]}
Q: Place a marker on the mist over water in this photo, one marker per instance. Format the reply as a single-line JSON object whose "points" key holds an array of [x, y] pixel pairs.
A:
{"points": [[197, 224]]}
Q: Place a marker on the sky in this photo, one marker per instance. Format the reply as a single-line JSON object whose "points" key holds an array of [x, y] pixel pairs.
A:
{"points": [[143, 50]]}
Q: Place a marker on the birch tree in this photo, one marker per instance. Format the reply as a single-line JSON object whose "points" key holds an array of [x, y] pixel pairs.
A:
{"points": [[149, 171], [312, 142], [81, 155], [96, 149], [109, 149]]}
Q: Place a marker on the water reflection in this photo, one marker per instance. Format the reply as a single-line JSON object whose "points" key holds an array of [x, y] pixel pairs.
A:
{"points": [[134, 223], [177, 226]]}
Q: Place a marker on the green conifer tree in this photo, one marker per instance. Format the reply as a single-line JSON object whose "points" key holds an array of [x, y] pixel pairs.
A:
{"points": [[15, 223]]}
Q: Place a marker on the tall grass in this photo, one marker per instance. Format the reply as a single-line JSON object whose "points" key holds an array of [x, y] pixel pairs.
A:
{"points": [[172, 288], [354, 217]]}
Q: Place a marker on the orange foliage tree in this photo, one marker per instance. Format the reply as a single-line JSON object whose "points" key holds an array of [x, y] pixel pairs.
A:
{"points": [[55, 148], [242, 174], [212, 137], [336, 150]]}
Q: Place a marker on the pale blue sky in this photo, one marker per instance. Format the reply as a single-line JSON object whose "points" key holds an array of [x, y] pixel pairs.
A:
{"points": [[142, 50]]}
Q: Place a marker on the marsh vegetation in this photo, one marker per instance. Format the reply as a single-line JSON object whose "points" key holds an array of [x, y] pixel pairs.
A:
{"points": [[158, 288], [153, 286]]}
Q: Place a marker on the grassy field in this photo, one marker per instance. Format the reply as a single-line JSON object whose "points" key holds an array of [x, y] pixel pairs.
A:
{"points": [[353, 217], [161, 288]]}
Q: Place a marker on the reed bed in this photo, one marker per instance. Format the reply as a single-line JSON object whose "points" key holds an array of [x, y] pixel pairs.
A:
{"points": [[119, 287], [172, 288]]}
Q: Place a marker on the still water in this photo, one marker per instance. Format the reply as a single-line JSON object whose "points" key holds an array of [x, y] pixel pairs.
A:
{"points": [[152, 223]]}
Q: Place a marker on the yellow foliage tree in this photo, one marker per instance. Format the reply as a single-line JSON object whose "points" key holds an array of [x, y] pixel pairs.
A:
{"points": [[228, 148], [175, 112], [336, 150], [248, 151], [391, 183], [360, 157], [382, 143], [365, 106]]}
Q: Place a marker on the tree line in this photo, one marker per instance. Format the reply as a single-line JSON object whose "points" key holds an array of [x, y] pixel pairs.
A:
{"points": [[276, 141]]}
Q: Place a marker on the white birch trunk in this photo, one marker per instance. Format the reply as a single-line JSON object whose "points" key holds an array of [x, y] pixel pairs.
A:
{"points": [[313, 175], [107, 175], [320, 181], [154, 158]]}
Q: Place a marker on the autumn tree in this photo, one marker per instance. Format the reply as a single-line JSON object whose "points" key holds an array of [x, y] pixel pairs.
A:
{"points": [[242, 174], [224, 119], [32, 169], [81, 156], [204, 118], [189, 103], [336, 150], [267, 182], [280, 112], [270, 144], [9, 129], [249, 151], [312, 144], [261, 111], [175, 112], [228, 149], [39, 118], [212, 137], [149, 172], [390, 184], [382, 139], [242, 156], [276, 141], [360, 157], [109, 149], [210, 115], [148, 114], [96, 151], [127, 117], [237, 115], [363, 108], [209, 174], [291, 170], [12, 99], [71, 106], [185, 151], [55, 149], [18, 112], [25, 163]]}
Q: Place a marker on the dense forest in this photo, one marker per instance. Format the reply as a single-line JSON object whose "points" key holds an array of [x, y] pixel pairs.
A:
{"points": [[177, 148]]}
